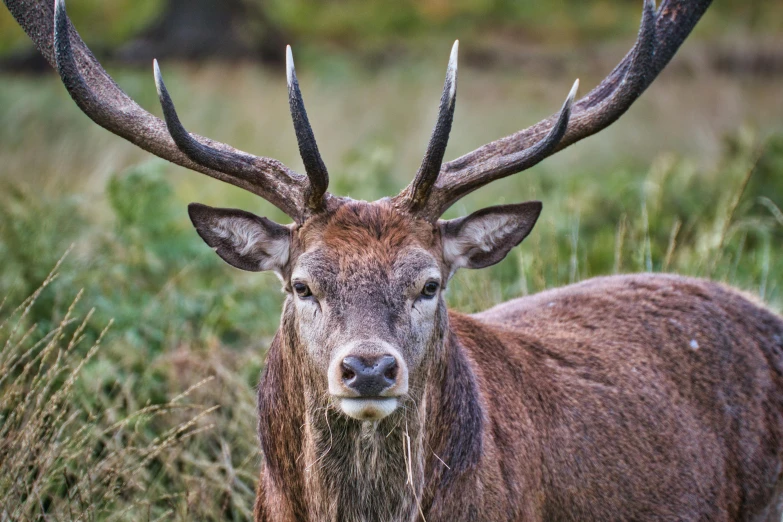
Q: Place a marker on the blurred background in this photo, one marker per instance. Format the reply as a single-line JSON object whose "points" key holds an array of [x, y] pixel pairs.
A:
{"points": [[158, 421]]}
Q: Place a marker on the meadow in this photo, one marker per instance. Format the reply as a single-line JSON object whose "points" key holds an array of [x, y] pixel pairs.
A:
{"points": [[130, 352]]}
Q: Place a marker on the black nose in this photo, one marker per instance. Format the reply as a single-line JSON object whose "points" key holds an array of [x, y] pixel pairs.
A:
{"points": [[369, 376]]}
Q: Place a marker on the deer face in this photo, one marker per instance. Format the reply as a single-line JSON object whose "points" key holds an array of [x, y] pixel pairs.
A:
{"points": [[367, 294], [365, 286]]}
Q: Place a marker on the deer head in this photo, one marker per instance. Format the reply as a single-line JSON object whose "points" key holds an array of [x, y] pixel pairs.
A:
{"points": [[364, 281]]}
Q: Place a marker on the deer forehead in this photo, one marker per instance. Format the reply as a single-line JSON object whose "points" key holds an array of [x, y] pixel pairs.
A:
{"points": [[368, 241]]}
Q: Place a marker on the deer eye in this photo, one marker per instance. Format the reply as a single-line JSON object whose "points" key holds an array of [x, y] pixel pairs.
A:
{"points": [[430, 289], [302, 290]]}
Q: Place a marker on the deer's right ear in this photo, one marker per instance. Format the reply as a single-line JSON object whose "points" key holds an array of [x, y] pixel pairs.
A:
{"points": [[242, 239]]}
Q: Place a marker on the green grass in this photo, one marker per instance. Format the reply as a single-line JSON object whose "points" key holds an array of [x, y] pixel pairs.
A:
{"points": [[86, 435], [158, 423]]}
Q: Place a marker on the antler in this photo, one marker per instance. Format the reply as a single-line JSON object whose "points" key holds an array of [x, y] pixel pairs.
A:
{"points": [[660, 35], [100, 98], [421, 186], [308, 150], [434, 189]]}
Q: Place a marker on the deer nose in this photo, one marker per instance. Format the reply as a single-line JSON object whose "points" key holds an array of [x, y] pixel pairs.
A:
{"points": [[370, 376]]}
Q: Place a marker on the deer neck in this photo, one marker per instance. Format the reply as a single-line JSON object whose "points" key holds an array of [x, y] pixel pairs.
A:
{"points": [[350, 470], [363, 470]]}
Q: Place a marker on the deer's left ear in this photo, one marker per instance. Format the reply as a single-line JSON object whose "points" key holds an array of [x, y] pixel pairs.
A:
{"points": [[242, 239], [485, 237]]}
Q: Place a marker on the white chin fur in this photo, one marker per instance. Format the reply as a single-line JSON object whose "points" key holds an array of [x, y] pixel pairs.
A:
{"points": [[368, 409]]}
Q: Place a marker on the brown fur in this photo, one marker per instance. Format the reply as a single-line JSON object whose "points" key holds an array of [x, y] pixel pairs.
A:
{"points": [[644, 397]]}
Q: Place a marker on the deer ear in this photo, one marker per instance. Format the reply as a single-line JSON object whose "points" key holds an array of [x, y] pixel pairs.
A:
{"points": [[242, 239], [485, 237]]}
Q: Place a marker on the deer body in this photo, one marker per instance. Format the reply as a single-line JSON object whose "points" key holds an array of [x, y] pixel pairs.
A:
{"points": [[645, 397]]}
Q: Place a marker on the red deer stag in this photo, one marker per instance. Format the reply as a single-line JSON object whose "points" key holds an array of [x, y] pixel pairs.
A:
{"points": [[643, 397]]}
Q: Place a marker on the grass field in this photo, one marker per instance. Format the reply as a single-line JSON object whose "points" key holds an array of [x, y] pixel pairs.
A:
{"points": [[157, 420]]}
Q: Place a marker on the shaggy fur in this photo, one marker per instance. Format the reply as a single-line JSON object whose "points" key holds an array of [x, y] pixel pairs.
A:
{"points": [[644, 397]]}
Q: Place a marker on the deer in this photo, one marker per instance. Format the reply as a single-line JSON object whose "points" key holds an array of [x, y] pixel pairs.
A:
{"points": [[626, 397]]}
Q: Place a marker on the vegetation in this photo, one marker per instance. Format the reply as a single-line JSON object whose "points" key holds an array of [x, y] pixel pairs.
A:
{"points": [[153, 418], [78, 442]]}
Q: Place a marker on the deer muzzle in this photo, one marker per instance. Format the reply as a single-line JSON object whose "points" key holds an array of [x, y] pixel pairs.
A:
{"points": [[366, 379]]}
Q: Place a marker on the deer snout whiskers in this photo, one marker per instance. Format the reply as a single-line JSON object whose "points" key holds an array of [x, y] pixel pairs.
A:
{"points": [[366, 378]]}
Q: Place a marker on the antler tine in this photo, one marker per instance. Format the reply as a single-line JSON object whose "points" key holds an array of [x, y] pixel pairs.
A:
{"points": [[496, 167], [659, 38], [239, 163], [202, 154], [101, 99], [308, 149], [418, 192]]}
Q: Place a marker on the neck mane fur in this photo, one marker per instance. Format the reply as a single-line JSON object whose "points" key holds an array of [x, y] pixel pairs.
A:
{"points": [[323, 465]]}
